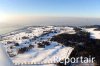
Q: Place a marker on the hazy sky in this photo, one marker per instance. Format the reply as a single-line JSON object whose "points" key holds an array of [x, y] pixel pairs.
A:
{"points": [[85, 8], [27, 10]]}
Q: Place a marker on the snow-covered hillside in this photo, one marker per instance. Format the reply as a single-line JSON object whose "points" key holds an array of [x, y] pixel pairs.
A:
{"points": [[95, 34], [33, 46], [47, 45]]}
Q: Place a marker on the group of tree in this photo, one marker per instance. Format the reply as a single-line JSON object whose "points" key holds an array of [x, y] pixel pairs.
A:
{"points": [[83, 44], [43, 44], [25, 49]]}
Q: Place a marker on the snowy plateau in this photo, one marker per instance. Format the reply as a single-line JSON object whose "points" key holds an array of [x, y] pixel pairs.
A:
{"points": [[32, 46]]}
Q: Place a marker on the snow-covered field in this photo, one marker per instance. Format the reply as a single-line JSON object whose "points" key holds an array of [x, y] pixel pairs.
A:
{"points": [[32, 46], [33, 36], [95, 34]]}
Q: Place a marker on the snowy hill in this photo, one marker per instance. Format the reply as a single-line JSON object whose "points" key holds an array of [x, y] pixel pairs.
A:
{"points": [[48, 45], [33, 46], [95, 34]]}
